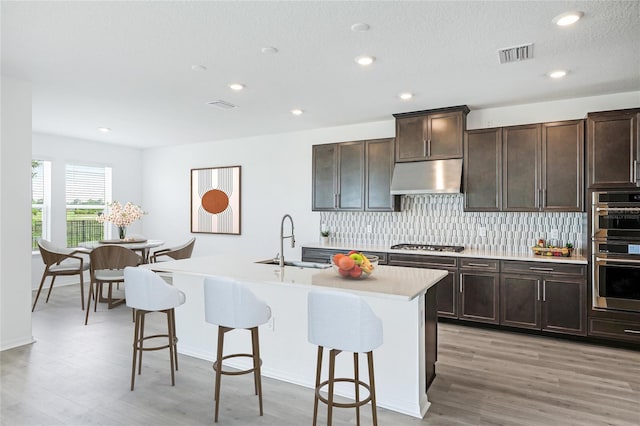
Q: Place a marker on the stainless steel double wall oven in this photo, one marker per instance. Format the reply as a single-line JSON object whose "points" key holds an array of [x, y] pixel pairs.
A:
{"points": [[615, 250]]}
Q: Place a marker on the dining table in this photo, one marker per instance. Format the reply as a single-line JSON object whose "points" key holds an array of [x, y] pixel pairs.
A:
{"points": [[141, 245]]}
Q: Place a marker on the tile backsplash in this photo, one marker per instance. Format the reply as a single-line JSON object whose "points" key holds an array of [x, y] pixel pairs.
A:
{"points": [[440, 219]]}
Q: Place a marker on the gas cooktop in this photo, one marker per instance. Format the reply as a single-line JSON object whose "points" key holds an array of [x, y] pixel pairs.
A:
{"points": [[427, 247]]}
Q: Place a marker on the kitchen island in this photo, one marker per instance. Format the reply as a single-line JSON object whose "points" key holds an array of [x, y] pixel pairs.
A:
{"points": [[404, 299]]}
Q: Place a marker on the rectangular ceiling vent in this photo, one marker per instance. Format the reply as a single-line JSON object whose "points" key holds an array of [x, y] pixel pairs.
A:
{"points": [[222, 104], [516, 53]]}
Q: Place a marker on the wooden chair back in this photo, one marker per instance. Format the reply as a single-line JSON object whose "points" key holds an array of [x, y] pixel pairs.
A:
{"points": [[113, 257]]}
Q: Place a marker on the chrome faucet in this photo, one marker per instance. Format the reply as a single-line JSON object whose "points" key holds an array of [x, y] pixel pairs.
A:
{"points": [[282, 237]]}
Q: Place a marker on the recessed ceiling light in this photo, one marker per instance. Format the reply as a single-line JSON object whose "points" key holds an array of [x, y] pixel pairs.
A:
{"points": [[296, 111], [405, 96], [269, 50], [567, 18], [104, 129], [198, 68], [365, 60], [236, 86], [360, 27], [557, 74]]}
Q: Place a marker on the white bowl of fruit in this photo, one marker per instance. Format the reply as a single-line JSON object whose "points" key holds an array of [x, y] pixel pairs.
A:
{"points": [[354, 264]]}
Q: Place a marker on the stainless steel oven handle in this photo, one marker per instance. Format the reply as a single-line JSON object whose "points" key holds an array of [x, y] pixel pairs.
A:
{"points": [[632, 331], [602, 259], [618, 209]]}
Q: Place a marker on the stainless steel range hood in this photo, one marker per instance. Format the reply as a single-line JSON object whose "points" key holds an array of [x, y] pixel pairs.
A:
{"points": [[427, 177]]}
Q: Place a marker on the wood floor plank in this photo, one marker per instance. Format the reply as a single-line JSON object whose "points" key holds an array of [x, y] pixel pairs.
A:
{"points": [[77, 375]]}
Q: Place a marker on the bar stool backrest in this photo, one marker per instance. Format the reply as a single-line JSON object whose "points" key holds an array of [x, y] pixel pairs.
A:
{"points": [[343, 321], [145, 290], [229, 303]]}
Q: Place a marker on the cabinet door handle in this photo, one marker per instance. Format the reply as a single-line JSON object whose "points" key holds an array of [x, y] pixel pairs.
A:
{"points": [[537, 268], [538, 290], [481, 265], [632, 331], [544, 290], [461, 288], [424, 148], [428, 147], [635, 172]]}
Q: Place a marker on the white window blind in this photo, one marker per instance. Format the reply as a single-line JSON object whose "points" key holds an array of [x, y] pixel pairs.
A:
{"points": [[87, 192]]}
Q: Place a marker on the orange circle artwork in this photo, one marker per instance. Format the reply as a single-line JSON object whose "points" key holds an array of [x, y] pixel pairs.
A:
{"points": [[215, 201]]}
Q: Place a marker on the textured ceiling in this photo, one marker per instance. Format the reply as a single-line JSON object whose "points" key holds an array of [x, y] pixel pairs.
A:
{"points": [[127, 65]]}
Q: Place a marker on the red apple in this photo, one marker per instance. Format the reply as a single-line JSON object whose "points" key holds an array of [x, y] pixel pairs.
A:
{"points": [[356, 272]]}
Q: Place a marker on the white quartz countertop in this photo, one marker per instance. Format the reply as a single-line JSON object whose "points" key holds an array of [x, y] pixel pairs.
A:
{"points": [[385, 281], [486, 254]]}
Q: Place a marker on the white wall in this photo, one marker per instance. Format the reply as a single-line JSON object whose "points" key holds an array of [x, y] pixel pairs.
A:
{"points": [[276, 175], [61, 150], [275, 179], [15, 212], [568, 109]]}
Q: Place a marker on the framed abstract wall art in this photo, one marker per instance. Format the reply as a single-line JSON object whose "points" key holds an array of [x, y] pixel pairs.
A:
{"points": [[215, 200]]}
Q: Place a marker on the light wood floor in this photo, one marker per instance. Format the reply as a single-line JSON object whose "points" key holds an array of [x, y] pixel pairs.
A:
{"points": [[77, 375]]}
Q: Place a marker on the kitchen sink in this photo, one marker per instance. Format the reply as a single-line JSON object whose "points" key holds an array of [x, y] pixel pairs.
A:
{"points": [[298, 263]]}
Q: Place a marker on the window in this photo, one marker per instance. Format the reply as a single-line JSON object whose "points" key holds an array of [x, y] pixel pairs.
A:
{"points": [[88, 190], [40, 201]]}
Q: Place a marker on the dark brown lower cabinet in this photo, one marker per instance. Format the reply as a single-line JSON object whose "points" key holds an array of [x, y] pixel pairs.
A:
{"points": [[520, 296], [447, 295], [552, 297], [479, 296]]}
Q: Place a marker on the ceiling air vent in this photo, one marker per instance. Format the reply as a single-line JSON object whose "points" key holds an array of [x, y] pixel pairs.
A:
{"points": [[516, 53], [222, 104]]}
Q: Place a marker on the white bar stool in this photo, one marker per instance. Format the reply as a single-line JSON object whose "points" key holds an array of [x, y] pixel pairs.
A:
{"points": [[343, 322], [146, 292], [231, 305]]}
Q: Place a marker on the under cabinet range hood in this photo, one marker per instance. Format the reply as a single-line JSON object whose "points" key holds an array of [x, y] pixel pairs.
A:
{"points": [[427, 177]]}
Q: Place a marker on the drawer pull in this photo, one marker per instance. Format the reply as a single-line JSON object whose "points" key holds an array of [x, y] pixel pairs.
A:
{"points": [[534, 268], [632, 331], [482, 265]]}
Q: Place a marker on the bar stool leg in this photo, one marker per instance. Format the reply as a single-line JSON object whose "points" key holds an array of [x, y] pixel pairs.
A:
{"points": [[332, 371], [357, 380], [175, 339], [256, 365], [141, 339], [135, 348], [372, 388], [218, 368], [172, 355], [315, 395]]}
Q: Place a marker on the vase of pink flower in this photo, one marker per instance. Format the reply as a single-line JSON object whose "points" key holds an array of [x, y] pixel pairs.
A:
{"points": [[121, 216]]}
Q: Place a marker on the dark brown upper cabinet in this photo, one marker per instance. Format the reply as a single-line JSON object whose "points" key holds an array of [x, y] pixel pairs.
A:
{"points": [[431, 134], [354, 176], [535, 167], [562, 166], [521, 168], [612, 149], [482, 170], [379, 155]]}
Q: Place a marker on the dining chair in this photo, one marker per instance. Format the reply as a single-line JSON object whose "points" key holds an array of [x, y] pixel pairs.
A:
{"points": [[107, 267], [180, 252], [61, 261]]}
